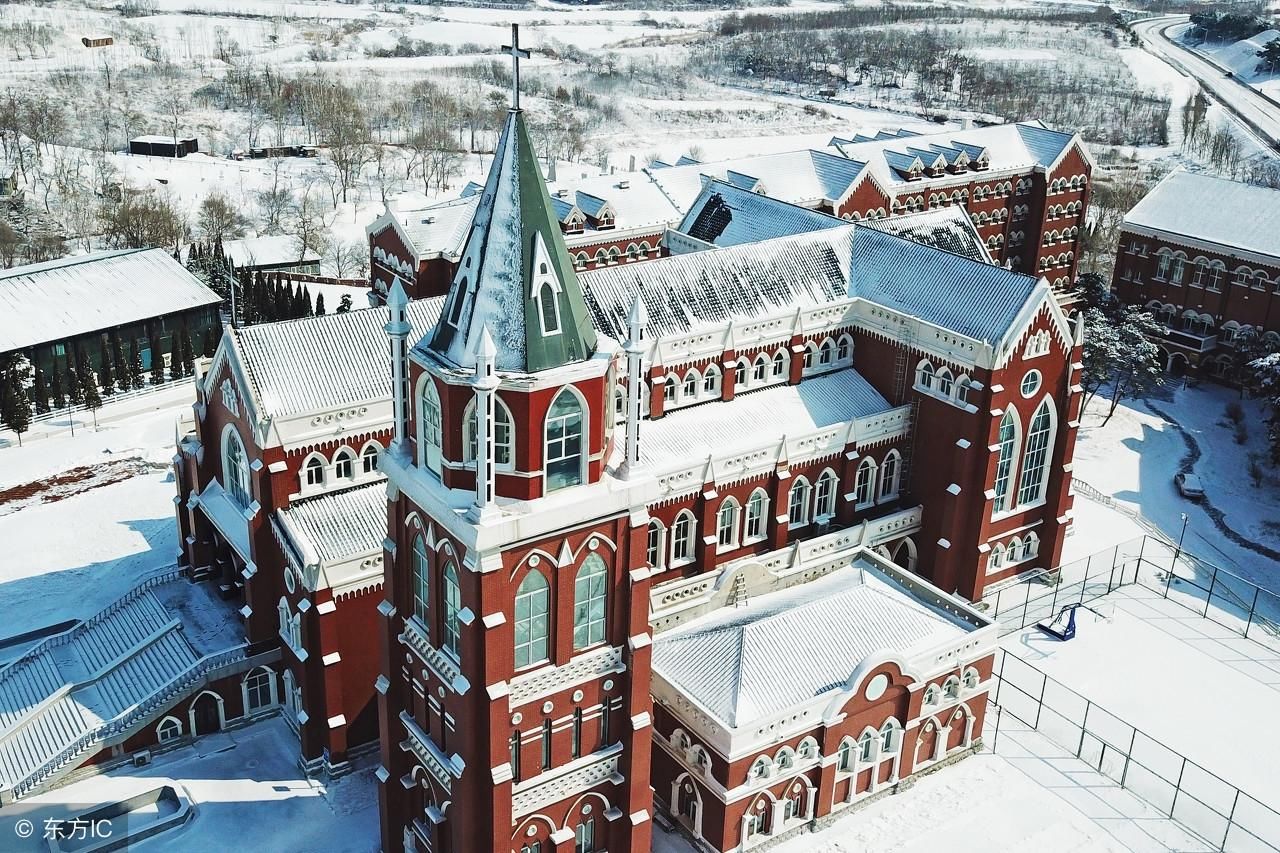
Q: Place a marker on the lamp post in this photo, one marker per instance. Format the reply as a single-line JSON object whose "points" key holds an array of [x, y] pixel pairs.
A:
{"points": [[1176, 554]]}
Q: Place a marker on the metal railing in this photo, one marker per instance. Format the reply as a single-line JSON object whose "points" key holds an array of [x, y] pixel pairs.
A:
{"points": [[1198, 800]]}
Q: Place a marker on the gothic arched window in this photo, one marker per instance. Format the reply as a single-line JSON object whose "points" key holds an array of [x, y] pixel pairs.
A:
{"points": [[532, 626]]}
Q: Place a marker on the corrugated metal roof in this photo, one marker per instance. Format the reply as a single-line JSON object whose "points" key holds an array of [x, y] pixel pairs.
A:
{"points": [[1044, 144], [751, 419], [946, 228], [748, 217], [56, 300], [441, 228], [266, 251], [1213, 209], [342, 525], [744, 664], [318, 363]]}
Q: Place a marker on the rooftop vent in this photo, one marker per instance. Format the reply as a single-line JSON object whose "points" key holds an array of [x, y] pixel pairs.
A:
{"points": [[427, 220], [624, 185]]}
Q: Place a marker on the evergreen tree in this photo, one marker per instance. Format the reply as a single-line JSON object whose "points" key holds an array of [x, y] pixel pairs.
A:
{"points": [[135, 365], [281, 296], [157, 362], [298, 306], [210, 344], [74, 383], [120, 362], [92, 400], [107, 376], [188, 355], [319, 304], [175, 356], [59, 397], [344, 304], [306, 302], [40, 393], [15, 407]]}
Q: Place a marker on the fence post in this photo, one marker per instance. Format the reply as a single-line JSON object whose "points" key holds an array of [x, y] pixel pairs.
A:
{"points": [[1053, 605], [1177, 788], [1231, 819], [1084, 727], [1252, 608], [1133, 737], [1026, 603], [1142, 546], [1209, 598], [1044, 682]]}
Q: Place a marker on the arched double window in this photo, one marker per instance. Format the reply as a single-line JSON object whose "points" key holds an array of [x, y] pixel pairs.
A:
{"points": [[682, 537], [235, 467], [565, 434], [503, 434], [421, 578], [798, 503], [865, 484], [780, 362], [692, 380], [532, 623], [430, 430], [757, 507], [727, 523], [711, 381], [369, 458], [844, 760], [866, 746], [452, 609], [1035, 457], [889, 473], [314, 471], [654, 550], [344, 465], [824, 505], [1006, 445], [890, 736], [924, 375], [590, 590]]}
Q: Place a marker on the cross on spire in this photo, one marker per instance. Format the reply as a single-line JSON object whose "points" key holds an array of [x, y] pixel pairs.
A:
{"points": [[516, 55]]}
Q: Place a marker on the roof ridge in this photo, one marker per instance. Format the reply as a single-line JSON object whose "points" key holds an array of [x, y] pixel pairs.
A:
{"points": [[926, 247], [71, 261]]}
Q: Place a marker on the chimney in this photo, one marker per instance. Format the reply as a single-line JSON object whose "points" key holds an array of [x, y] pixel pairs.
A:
{"points": [[632, 167]]}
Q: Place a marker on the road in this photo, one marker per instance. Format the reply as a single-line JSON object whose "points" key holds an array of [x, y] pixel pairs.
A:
{"points": [[1260, 116]]}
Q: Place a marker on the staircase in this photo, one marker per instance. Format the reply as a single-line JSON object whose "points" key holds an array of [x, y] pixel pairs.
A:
{"points": [[68, 696]]}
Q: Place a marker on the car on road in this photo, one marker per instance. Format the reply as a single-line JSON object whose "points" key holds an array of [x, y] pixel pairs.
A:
{"points": [[1189, 486]]}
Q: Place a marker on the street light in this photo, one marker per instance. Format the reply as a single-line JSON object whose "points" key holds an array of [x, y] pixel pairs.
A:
{"points": [[1176, 554]]}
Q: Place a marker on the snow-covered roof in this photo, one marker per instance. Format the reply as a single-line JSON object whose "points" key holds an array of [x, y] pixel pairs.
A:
{"points": [[753, 418], [743, 664], [318, 363], [439, 230], [340, 526], [160, 139], [266, 251], [73, 296], [686, 292], [1215, 209], [724, 215], [806, 177]]}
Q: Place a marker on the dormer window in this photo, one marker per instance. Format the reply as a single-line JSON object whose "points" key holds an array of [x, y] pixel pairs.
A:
{"points": [[544, 288]]}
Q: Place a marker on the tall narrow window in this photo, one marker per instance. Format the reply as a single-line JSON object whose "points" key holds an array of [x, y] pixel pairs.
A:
{"points": [[654, 549], [235, 468], [369, 459], [344, 465], [889, 476], [503, 434], [727, 523], [429, 428], [604, 723], [798, 503], [589, 594], [577, 732], [682, 538], [756, 507], [513, 747], [865, 484], [1005, 443], [761, 369], [315, 472], [550, 311], [531, 627], [421, 578], [452, 607], [546, 744], [584, 837], [1036, 456], [779, 365], [564, 437], [825, 502]]}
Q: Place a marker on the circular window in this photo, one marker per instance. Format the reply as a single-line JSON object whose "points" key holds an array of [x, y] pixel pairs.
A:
{"points": [[1030, 383], [877, 686]]}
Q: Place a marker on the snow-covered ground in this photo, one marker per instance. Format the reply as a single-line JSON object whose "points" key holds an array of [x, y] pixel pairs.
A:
{"points": [[248, 794]]}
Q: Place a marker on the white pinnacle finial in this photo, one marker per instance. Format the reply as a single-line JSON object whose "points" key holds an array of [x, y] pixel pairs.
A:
{"points": [[397, 298], [638, 318], [485, 349]]}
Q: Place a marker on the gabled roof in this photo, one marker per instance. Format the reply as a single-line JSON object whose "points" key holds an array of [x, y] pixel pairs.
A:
{"points": [[56, 300], [439, 229], [808, 176], [745, 664], [340, 526], [1044, 144], [266, 251], [690, 291], [514, 253], [1213, 209], [947, 228], [321, 363]]}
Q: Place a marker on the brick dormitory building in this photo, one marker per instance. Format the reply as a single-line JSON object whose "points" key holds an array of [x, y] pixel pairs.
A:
{"points": [[1203, 255]]}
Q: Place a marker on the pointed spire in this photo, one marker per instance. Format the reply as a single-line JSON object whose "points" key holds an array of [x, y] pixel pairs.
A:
{"points": [[1078, 336], [397, 299]]}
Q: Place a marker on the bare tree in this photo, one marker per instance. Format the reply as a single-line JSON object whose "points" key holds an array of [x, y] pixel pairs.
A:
{"points": [[220, 218], [307, 223]]}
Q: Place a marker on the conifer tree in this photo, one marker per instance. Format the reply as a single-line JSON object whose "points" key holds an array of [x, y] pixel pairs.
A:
{"points": [[106, 376], [188, 355], [59, 397], [157, 362], [74, 382], [15, 407], [175, 356], [135, 365], [319, 304], [92, 401], [306, 302], [210, 344], [40, 393], [120, 363]]}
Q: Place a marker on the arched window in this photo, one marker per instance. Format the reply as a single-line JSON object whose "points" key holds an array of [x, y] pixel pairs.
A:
{"points": [[670, 384], [824, 505], [503, 435], [682, 537], [564, 438], [932, 694], [235, 467], [761, 371], [1006, 444], [257, 687], [779, 364], [430, 434], [963, 386], [170, 728], [344, 465], [727, 523], [757, 507], [314, 471], [951, 687], [785, 759], [996, 561], [827, 352], [890, 736], [865, 484], [711, 381], [532, 625], [924, 375], [589, 592], [369, 458], [740, 373], [1014, 552], [1031, 546], [866, 746], [889, 473], [421, 578], [798, 503], [944, 381], [971, 679], [844, 761], [760, 768], [810, 356], [691, 382], [844, 348], [550, 311], [1035, 458], [452, 609], [654, 550], [807, 750]]}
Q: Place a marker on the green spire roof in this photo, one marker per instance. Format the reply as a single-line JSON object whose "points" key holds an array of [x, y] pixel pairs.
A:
{"points": [[515, 275]]}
